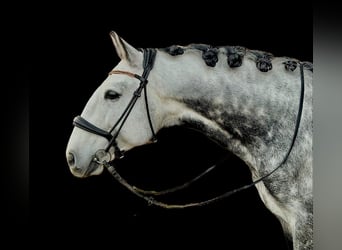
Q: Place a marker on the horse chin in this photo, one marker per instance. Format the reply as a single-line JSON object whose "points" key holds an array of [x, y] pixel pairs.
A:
{"points": [[93, 169]]}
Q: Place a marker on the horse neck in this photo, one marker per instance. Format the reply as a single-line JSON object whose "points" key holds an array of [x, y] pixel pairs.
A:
{"points": [[249, 112]]}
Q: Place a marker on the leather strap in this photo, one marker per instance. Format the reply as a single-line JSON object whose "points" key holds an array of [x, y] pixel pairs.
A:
{"points": [[82, 123], [152, 201]]}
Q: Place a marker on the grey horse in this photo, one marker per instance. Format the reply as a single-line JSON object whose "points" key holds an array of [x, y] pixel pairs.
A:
{"points": [[245, 100]]}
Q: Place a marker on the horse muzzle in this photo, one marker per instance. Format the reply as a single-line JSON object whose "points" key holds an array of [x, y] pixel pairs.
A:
{"points": [[96, 165]]}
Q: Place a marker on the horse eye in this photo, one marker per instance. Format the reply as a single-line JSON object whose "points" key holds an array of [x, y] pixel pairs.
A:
{"points": [[111, 95]]}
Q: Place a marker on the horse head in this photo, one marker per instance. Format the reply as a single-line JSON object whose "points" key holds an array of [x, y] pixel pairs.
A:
{"points": [[118, 116]]}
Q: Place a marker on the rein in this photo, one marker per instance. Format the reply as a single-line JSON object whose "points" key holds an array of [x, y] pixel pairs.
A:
{"points": [[148, 195]]}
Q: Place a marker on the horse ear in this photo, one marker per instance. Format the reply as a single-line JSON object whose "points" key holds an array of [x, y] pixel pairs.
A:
{"points": [[124, 50]]}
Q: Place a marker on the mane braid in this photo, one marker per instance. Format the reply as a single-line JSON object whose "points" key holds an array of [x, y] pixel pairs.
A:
{"points": [[174, 50], [235, 56], [209, 53], [263, 60]]}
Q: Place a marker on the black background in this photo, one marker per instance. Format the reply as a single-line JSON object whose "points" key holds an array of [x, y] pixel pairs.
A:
{"points": [[70, 56]]}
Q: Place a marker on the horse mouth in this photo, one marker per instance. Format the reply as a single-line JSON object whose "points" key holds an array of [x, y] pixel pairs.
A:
{"points": [[94, 168]]}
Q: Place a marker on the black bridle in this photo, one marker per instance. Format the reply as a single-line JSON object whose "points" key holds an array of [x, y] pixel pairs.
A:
{"points": [[149, 57], [80, 122]]}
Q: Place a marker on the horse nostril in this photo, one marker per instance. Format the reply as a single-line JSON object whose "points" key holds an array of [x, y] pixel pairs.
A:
{"points": [[71, 159]]}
